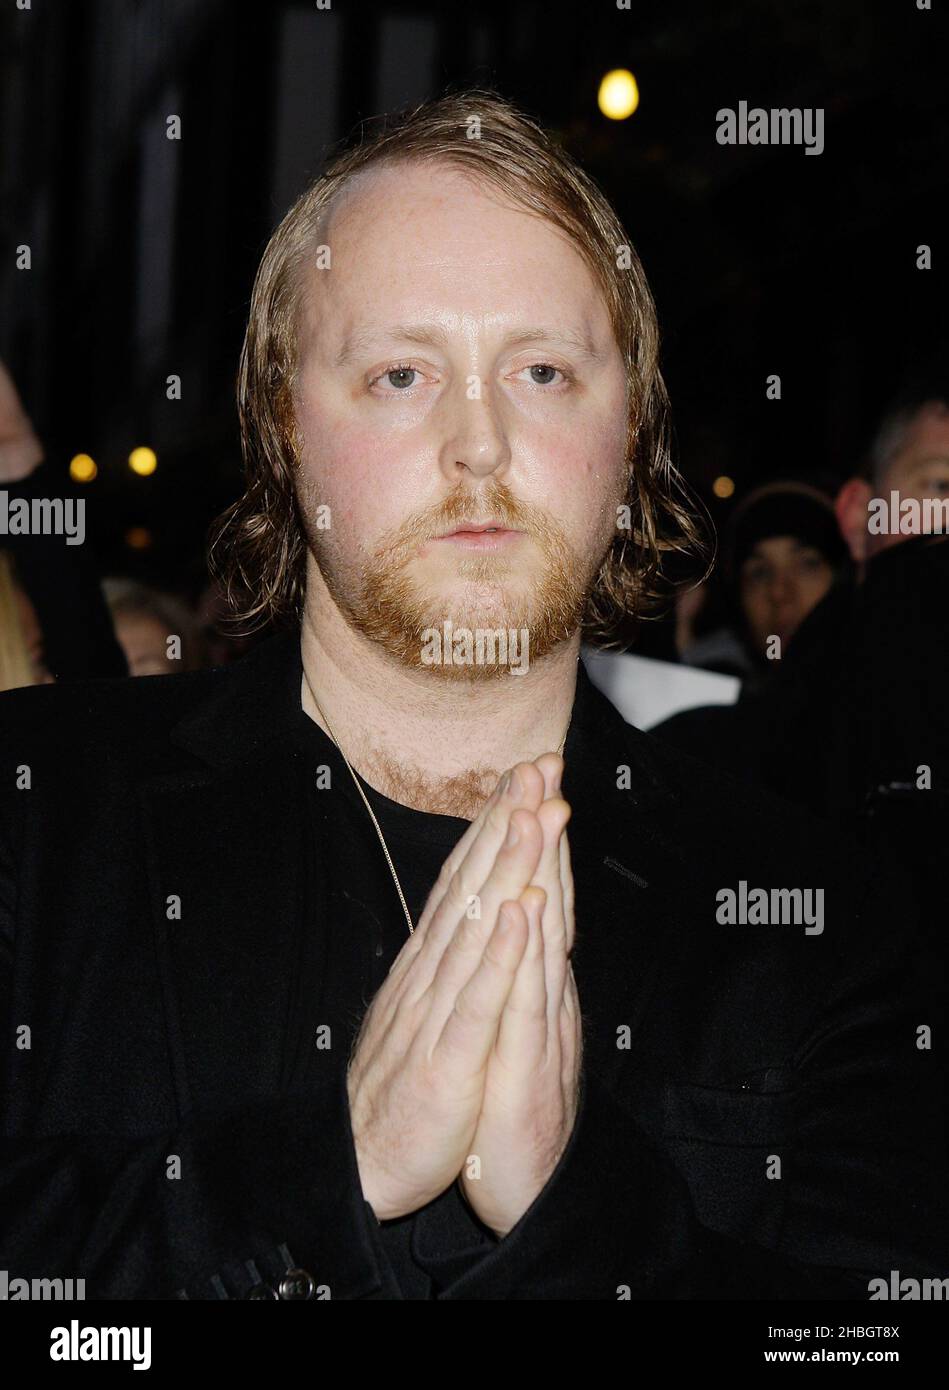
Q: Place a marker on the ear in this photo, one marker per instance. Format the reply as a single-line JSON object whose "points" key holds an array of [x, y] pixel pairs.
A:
{"points": [[851, 509]]}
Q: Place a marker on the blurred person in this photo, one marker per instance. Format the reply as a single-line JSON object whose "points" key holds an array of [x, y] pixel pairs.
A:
{"points": [[60, 580], [319, 930], [22, 660], [157, 632], [782, 552], [884, 611], [20, 449], [851, 725], [909, 457], [698, 639]]}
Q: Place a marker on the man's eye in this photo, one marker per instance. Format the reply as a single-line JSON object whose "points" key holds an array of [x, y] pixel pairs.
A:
{"points": [[542, 373], [397, 376]]}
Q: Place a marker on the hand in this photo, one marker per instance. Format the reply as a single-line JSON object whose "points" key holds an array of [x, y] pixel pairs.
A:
{"points": [[416, 1078], [531, 1088], [20, 450]]}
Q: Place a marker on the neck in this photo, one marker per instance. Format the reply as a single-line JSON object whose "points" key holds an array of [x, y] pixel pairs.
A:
{"points": [[426, 742]]}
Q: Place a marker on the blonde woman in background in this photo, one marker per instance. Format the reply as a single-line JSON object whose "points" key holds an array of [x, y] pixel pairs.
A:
{"points": [[22, 660]]}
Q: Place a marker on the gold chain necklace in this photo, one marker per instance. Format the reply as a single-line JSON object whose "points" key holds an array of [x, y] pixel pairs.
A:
{"points": [[372, 814]]}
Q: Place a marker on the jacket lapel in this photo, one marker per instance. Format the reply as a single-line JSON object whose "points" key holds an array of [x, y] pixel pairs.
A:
{"points": [[225, 857], [626, 865]]}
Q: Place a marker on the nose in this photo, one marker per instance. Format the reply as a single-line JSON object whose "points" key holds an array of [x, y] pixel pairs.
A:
{"points": [[475, 439], [783, 592]]}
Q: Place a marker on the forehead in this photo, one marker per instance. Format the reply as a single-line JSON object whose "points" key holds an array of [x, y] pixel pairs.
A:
{"points": [[776, 547], [431, 239], [928, 434]]}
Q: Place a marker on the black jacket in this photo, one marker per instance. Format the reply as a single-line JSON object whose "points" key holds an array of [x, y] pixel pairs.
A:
{"points": [[852, 727], [711, 1051]]}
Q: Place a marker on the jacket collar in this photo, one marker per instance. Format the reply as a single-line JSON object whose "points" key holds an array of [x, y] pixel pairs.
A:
{"points": [[619, 793], [250, 706], [255, 699]]}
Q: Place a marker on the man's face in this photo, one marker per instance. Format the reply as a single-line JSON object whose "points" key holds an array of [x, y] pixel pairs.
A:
{"points": [[781, 581], [144, 639], [457, 365], [921, 468]]}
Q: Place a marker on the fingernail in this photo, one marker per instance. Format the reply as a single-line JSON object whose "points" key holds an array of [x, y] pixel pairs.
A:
{"points": [[517, 789], [513, 835], [503, 785]]}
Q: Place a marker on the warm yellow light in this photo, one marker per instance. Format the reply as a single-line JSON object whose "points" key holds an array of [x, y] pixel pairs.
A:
{"points": [[82, 468], [143, 461], [138, 537], [618, 96], [723, 487]]}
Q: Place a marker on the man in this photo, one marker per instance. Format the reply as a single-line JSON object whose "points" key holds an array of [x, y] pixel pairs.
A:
{"points": [[908, 463], [852, 723], [144, 619], [853, 713], [577, 1075], [781, 553]]}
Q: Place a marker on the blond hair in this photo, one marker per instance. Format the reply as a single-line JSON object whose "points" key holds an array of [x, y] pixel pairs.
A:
{"points": [[258, 546], [16, 667]]}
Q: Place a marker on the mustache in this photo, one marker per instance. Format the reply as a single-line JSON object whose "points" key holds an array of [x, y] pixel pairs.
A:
{"points": [[457, 509]]}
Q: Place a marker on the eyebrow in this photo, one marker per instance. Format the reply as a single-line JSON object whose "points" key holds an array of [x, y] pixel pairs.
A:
{"points": [[427, 333]]}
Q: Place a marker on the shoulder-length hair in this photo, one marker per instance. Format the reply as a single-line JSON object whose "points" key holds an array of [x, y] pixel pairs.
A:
{"points": [[258, 546]]}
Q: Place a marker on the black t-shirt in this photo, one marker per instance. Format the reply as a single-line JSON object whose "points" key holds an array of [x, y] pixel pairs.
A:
{"points": [[419, 843]]}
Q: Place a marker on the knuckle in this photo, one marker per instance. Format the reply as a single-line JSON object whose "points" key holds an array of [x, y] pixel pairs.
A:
{"points": [[456, 884], [494, 960], [463, 1009], [497, 818], [468, 1008]]}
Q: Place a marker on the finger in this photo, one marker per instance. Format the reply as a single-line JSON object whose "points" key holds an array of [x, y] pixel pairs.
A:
{"points": [[493, 818], [465, 917], [471, 1028], [489, 828], [551, 766], [522, 1032], [553, 816], [511, 873], [567, 891], [571, 1038], [469, 864]]}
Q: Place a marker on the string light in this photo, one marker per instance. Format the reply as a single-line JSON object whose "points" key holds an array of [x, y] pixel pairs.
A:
{"points": [[82, 468], [143, 461], [618, 96]]}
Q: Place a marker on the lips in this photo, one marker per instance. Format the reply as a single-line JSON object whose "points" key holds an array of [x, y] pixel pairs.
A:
{"points": [[475, 528]]}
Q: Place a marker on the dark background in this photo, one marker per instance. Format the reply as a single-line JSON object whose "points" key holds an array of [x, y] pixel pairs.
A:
{"points": [[762, 259]]}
